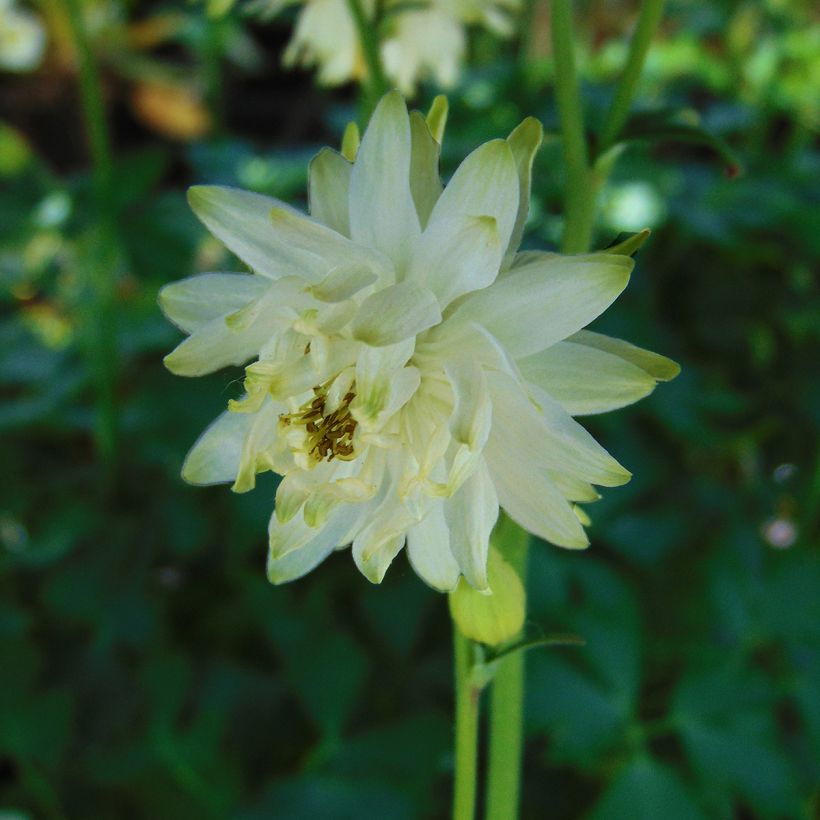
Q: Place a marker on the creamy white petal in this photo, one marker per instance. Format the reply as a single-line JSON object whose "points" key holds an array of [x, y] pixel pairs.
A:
{"points": [[261, 435], [395, 313], [485, 184], [428, 549], [543, 302], [547, 436], [214, 458], [297, 562], [190, 303], [457, 256], [307, 236], [343, 282], [531, 499], [241, 221], [471, 515], [425, 182], [573, 489], [382, 213], [382, 537], [215, 345], [657, 366], [584, 380], [525, 140], [472, 411], [329, 190]]}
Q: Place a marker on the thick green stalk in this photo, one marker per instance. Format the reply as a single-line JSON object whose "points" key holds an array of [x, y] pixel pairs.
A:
{"points": [[506, 728], [377, 84], [466, 748], [579, 202], [98, 322], [648, 22]]}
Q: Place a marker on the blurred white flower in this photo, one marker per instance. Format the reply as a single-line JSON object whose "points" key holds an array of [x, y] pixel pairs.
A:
{"points": [[410, 372], [22, 38], [420, 41]]}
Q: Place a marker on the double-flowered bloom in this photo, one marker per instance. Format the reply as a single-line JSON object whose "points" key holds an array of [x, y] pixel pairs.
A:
{"points": [[407, 370]]}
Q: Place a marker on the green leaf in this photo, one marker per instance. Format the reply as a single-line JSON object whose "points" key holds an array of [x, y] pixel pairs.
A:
{"points": [[646, 789]]}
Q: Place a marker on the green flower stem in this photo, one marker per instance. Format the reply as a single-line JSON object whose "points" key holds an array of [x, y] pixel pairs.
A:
{"points": [[99, 321], [377, 84], [467, 701], [648, 22], [580, 192], [506, 730]]}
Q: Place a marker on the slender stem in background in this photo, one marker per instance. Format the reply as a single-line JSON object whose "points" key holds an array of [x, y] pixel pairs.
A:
{"points": [[98, 322], [467, 700], [506, 728], [648, 22], [377, 84], [580, 193]]}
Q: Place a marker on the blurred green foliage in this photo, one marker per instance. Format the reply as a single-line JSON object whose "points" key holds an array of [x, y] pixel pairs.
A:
{"points": [[148, 670]]}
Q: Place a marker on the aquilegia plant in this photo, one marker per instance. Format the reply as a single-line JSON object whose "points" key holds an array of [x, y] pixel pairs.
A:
{"points": [[408, 372]]}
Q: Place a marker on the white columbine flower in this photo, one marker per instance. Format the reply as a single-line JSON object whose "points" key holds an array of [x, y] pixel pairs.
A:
{"points": [[409, 371], [418, 41]]}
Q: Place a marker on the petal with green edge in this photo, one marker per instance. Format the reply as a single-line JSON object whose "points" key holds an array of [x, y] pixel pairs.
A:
{"points": [[425, 182], [584, 380], [485, 184], [657, 366], [382, 213], [295, 563], [395, 313], [428, 550], [192, 302], [457, 257], [329, 190], [546, 435], [214, 458], [541, 303], [471, 515], [524, 141], [241, 221], [215, 345]]}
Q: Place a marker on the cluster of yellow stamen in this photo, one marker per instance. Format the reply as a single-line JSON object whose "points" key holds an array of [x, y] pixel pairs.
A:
{"points": [[330, 435]]}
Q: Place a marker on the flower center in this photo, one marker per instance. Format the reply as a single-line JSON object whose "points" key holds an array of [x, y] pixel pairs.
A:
{"points": [[327, 435]]}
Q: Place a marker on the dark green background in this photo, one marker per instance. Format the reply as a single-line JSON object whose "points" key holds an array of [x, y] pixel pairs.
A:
{"points": [[147, 668]]}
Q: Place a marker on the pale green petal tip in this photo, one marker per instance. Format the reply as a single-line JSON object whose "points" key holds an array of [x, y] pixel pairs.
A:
{"points": [[437, 117], [664, 370], [529, 132], [351, 139], [631, 244]]}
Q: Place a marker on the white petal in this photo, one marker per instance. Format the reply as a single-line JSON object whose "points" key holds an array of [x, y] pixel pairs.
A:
{"points": [[382, 538], [214, 458], [395, 313], [216, 345], [343, 282], [299, 561], [262, 435], [457, 256], [584, 380], [300, 233], [547, 436], [329, 190], [190, 303], [471, 515], [531, 499], [657, 366], [373, 409], [472, 412], [428, 549], [425, 183], [543, 302], [525, 140], [485, 184], [241, 221], [382, 213]]}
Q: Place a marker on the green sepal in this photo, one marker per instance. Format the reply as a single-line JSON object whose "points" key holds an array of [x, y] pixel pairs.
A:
{"points": [[628, 244]]}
